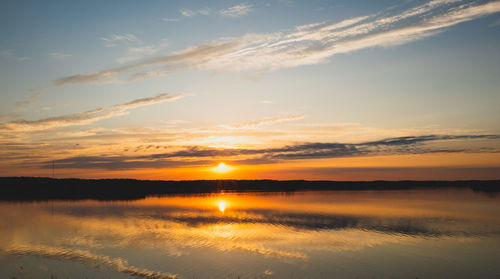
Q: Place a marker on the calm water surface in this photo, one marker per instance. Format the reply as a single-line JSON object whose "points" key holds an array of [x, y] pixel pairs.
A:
{"points": [[445, 233]]}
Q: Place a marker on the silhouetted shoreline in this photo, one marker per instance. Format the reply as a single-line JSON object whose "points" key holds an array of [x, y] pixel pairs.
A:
{"points": [[42, 188]]}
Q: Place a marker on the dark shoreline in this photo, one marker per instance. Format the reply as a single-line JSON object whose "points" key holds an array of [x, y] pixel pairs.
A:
{"points": [[42, 188]]}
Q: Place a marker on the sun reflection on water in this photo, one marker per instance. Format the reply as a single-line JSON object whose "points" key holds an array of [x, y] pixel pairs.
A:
{"points": [[222, 206], [230, 228]]}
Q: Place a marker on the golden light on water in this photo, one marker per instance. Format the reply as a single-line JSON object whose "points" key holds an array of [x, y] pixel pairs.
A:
{"points": [[273, 227]]}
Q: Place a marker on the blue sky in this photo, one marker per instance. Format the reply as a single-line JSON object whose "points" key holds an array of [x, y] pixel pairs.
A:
{"points": [[241, 75]]}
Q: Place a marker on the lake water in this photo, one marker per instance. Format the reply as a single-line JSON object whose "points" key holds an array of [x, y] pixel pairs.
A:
{"points": [[442, 233]]}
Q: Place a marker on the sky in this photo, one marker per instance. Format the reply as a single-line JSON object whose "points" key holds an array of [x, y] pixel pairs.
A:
{"points": [[315, 90]]}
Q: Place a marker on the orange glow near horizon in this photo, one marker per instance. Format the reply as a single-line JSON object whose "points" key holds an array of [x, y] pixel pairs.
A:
{"points": [[414, 166]]}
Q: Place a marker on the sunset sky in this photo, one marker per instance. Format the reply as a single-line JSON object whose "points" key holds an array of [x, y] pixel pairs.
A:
{"points": [[337, 90]]}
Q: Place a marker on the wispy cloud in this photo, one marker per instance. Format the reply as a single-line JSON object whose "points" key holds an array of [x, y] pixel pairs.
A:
{"points": [[119, 163], [116, 39], [178, 60], [29, 101], [237, 10], [149, 101], [187, 12], [8, 115], [192, 13], [398, 145], [138, 53], [309, 44], [169, 19], [87, 258], [9, 54], [264, 122], [83, 118], [59, 55], [200, 155]]}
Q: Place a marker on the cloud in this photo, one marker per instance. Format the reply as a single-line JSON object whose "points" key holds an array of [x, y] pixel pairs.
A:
{"points": [[138, 53], [305, 45], [237, 10], [59, 55], [149, 101], [27, 102], [419, 139], [265, 122], [191, 13], [83, 118], [87, 258], [9, 54], [8, 115], [316, 24], [204, 12], [116, 39], [407, 145], [187, 56], [199, 155], [32, 98], [168, 19], [187, 13], [118, 163]]}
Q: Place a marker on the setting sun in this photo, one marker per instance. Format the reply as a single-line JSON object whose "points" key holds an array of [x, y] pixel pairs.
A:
{"points": [[222, 167], [250, 139]]}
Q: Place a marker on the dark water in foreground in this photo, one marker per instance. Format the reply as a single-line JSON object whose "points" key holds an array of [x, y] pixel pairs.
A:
{"points": [[441, 233]]}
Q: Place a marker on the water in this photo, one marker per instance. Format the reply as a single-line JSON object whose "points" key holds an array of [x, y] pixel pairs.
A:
{"points": [[443, 233]]}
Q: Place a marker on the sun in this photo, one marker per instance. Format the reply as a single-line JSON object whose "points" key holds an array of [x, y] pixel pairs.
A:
{"points": [[221, 168], [222, 206]]}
